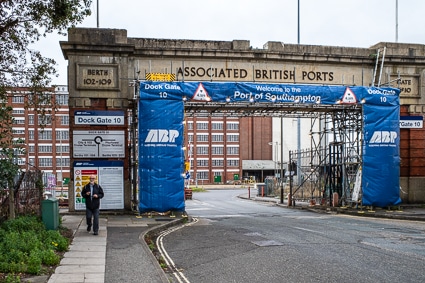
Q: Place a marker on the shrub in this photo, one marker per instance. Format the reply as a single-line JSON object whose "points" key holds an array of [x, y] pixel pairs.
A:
{"points": [[25, 246], [34, 262], [12, 278], [49, 257], [22, 224], [54, 240]]}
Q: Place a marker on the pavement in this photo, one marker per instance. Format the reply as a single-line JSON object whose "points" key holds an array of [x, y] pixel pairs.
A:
{"points": [[105, 258], [102, 258], [413, 212]]}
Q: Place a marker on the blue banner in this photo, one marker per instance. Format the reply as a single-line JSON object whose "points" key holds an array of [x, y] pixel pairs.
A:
{"points": [[161, 156], [381, 156], [161, 107], [256, 92]]}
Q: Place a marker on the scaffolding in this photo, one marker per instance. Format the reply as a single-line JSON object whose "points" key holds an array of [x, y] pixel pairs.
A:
{"points": [[330, 165]]}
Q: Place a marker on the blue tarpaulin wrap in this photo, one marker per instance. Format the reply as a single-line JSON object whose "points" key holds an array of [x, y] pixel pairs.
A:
{"points": [[161, 157], [381, 156]]}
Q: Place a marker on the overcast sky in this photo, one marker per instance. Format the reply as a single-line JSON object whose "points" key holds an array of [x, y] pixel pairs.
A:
{"points": [[352, 23]]}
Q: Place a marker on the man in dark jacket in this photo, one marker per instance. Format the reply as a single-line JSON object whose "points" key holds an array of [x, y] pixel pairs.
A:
{"points": [[92, 192]]}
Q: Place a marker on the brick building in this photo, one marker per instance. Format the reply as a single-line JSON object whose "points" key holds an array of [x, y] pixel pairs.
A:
{"points": [[47, 144]]}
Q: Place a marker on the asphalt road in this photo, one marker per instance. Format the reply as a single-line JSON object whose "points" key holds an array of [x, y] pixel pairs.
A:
{"points": [[239, 240]]}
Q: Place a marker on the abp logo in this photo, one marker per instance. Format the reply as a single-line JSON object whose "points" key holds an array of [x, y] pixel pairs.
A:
{"points": [[383, 137], [161, 135]]}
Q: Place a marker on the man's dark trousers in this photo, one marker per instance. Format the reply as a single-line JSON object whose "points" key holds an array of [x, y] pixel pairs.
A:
{"points": [[93, 213]]}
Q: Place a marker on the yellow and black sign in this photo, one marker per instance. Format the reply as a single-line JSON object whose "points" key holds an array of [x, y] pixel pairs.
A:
{"points": [[160, 77], [187, 166]]}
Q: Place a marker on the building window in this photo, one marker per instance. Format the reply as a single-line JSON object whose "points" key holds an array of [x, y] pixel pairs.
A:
{"points": [[62, 99], [202, 175], [45, 162], [232, 150], [21, 161], [65, 120], [31, 148], [232, 138], [44, 119], [65, 148], [18, 121], [217, 126], [217, 162], [64, 162], [19, 151], [233, 126], [31, 134], [202, 125], [18, 111], [217, 137], [190, 125], [46, 99], [190, 138], [18, 131], [233, 162], [202, 162], [62, 135], [201, 150], [202, 137], [217, 150], [44, 148], [17, 99], [45, 135], [30, 119]]}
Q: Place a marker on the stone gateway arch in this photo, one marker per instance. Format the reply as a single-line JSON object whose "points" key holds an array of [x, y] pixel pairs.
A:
{"points": [[107, 71]]}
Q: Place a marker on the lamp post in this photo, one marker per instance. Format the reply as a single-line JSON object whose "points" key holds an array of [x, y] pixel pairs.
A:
{"points": [[275, 156], [60, 139], [281, 159]]}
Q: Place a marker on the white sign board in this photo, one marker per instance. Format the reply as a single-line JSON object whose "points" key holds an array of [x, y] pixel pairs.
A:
{"points": [[109, 175], [411, 122], [98, 117], [98, 144]]}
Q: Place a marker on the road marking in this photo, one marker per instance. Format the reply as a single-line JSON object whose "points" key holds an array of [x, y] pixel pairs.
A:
{"points": [[197, 209], [159, 243], [308, 230]]}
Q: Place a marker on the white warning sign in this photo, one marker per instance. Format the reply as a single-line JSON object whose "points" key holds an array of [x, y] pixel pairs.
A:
{"points": [[201, 94], [349, 97]]}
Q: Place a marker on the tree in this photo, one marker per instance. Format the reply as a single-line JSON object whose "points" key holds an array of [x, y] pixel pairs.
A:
{"points": [[22, 23]]}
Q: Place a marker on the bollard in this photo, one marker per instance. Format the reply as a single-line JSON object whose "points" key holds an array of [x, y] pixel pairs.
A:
{"points": [[262, 191], [249, 193], [335, 199]]}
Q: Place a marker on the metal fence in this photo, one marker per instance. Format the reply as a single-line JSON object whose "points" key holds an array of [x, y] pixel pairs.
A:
{"points": [[28, 195]]}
